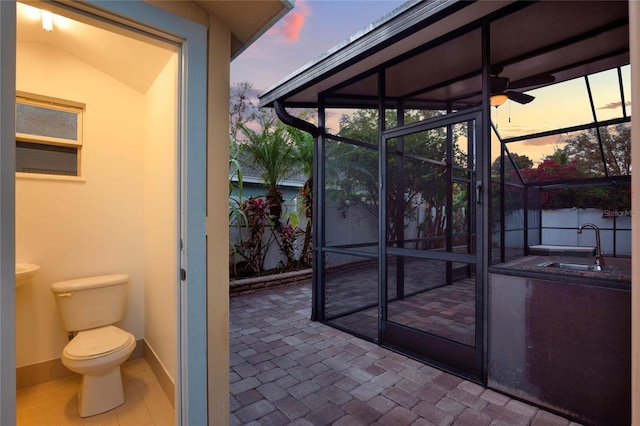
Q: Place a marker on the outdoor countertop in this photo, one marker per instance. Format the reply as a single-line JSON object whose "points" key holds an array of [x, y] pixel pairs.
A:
{"points": [[615, 274]]}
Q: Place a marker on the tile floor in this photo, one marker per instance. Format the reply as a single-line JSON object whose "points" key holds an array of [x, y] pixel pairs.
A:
{"points": [[55, 402]]}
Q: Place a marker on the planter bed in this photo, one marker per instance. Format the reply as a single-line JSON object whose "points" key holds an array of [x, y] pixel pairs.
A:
{"points": [[250, 285]]}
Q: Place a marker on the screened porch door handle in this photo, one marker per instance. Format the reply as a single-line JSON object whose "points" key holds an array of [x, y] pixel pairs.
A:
{"points": [[478, 188]]}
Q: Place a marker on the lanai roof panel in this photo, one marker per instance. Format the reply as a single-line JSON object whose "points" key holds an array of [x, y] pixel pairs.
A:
{"points": [[432, 58]]}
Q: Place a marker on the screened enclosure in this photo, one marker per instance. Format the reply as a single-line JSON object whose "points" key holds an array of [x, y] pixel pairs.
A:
{"points": [[453, 136]]}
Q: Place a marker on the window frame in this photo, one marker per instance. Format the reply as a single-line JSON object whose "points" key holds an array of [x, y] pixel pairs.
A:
{"points": [[55, 104]]}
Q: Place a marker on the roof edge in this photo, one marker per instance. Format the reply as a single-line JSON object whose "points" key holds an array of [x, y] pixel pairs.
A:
{"points": [[386, 28], [288, 6]]}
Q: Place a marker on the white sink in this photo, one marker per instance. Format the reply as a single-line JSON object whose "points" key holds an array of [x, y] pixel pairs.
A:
{"points": [[25, 272]]}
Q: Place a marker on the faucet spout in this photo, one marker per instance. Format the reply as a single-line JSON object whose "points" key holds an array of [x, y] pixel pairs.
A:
{"points": [[599, 257]]}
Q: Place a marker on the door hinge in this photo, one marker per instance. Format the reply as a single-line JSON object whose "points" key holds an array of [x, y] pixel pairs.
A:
{"points": [[183, 274]]}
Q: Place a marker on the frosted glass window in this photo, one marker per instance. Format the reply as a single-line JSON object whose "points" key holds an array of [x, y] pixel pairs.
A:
{"points": [[41, 121]]}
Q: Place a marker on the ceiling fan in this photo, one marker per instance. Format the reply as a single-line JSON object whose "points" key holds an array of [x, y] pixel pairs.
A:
{"points": [[502, 88]]}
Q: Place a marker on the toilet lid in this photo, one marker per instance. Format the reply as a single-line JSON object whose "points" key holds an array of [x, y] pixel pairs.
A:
{"points": [[97, 342]]}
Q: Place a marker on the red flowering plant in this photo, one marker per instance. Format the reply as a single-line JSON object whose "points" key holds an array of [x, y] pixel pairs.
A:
{"points": [[253, 248], [562, 171], [287, 234]]}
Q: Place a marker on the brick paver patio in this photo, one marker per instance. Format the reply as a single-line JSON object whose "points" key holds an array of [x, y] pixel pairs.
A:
{"points": [[286, 369]]}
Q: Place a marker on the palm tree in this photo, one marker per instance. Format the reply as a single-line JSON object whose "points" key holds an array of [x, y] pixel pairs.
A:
{"points": [[304, 147], [271, 153]]}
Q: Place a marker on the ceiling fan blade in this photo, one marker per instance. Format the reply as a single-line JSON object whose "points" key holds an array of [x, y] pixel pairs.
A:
{"points": [[535, 80], [521, 98]]}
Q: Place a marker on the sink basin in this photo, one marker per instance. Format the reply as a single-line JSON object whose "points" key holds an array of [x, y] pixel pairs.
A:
{"points": [[25, 272], [570, 266]]}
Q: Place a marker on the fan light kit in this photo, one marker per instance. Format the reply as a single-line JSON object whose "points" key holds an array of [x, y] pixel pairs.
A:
{"points": [[497, 100], [503, 88]]}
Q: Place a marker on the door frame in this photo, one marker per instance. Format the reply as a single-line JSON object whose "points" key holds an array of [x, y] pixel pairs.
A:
{"points": [[191, 383], [453, 356], [7, 212]]}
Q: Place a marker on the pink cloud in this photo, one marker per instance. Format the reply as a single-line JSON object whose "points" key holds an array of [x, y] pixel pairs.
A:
{"points": [[293, 22], [543, 141], [615, 105]]}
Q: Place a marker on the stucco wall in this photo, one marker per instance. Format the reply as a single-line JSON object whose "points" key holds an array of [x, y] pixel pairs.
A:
{"points": [[218, 222]]}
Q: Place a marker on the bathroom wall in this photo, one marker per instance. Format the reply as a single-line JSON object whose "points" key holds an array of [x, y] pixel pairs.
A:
{"points": [[98, 225], [161, 217]]}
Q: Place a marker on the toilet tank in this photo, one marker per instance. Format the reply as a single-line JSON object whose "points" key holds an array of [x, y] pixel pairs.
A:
{"points": [[91, 302]]}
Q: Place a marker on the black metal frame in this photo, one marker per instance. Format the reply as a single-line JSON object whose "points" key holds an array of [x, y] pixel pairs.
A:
{"points": [[445, 354], [456, 357]]}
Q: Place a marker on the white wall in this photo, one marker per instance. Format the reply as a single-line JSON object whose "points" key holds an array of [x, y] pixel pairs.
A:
{"points": [[95, 226], [160, 217]]}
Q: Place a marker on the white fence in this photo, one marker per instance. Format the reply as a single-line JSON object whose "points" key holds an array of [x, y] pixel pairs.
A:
{"points": [[560, 227]]}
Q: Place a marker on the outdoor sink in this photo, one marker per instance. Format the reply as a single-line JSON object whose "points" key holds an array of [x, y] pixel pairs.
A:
{"points": [[569, 266], [25, 272]]}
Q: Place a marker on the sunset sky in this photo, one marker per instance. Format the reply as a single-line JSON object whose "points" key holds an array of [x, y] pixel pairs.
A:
{"points": [[315, 26], [304, 34]]}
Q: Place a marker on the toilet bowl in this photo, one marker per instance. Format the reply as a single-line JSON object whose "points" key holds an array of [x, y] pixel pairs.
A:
{"points": [[89, 308], [97, 354]]}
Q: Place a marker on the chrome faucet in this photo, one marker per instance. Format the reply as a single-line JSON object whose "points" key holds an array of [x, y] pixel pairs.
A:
{"points": [[599, 257]]}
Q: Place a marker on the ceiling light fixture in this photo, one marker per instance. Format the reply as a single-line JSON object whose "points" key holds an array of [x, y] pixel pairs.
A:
{"points": [[497, 100], [47, 20]]}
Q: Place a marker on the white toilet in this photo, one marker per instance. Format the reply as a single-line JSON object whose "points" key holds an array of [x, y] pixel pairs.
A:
{"points": [[89, 306]]}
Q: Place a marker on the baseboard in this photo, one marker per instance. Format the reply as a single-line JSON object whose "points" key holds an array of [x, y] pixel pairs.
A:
{"points": [[45, 371], [35, 374], [159, 371]]}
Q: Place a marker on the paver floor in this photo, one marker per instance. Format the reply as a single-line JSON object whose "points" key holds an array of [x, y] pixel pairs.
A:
{"points": [[430, 303], [286, 369]]}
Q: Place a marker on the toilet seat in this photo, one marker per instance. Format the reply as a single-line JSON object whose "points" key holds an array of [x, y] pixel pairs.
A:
{"points": [[97, 342]]}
